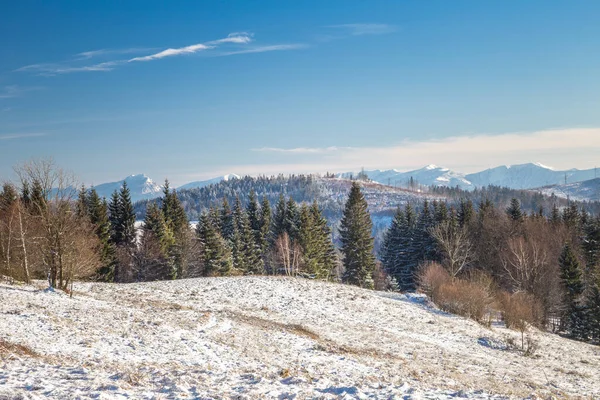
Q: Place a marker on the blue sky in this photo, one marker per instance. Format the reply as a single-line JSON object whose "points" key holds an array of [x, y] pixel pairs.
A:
{"points": [[191, 90]]}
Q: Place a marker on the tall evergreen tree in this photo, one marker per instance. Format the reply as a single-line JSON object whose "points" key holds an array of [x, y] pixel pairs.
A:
{"points": [[216, 255], [514, 211], [227, 224], [571, 278], [357, 242], [465, 212], [592, 311], [98, 213], [265, 226], [292, 219], [322, 237], [250, 260], [279, 219]]}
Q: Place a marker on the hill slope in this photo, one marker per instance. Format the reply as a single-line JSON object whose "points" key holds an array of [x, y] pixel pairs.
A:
{"points": [[580, 191], [261, 337]]}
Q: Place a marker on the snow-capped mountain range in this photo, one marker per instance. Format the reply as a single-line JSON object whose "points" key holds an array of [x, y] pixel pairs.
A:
{"points": [[522, 176], [144, 188]]}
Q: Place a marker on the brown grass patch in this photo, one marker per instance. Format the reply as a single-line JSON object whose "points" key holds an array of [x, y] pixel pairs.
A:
{"points": [[7, 349]]}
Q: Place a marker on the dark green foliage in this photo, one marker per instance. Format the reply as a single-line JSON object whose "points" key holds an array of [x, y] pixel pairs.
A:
{"points": [[406, 244], [466, 212], [122, 218], [227, 224], [574, 320], [98, 214], [279, 220], [265, 226], [357, 242], [514, 211], [216, 256], [592, 310], [318, 253], [249, 260], [292, 219]]}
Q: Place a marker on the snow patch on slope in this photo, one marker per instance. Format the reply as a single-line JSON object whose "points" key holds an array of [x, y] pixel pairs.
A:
{"points": [[269, 337]]}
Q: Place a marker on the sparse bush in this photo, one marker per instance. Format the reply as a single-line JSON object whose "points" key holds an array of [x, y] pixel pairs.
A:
{"points": [[431, 278], [519, 311], [469, 298]]}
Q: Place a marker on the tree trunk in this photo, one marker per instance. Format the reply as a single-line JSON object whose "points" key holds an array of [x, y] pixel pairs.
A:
{"points": [[24, 247]]}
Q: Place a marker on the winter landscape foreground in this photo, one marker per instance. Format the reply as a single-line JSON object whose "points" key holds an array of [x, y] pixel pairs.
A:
{"points": [[268, 337]]}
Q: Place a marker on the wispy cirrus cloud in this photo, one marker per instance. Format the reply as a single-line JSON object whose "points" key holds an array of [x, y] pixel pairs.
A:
{"points": [[264, 49], [237, 40], [86, 55], [14, 136]]}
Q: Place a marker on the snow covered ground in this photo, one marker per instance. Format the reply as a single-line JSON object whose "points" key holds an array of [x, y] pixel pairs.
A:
{"points": [[267, 337]]}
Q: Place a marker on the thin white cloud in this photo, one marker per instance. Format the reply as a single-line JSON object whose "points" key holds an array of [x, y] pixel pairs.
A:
{"points": [[263, 49], [58, 69], [13, 136], [561, 148], [174, 52], [236, 37], [106, 52], [365, 29]]}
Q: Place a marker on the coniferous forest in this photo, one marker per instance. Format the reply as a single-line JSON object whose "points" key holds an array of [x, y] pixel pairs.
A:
{"points": [[487, 259]]}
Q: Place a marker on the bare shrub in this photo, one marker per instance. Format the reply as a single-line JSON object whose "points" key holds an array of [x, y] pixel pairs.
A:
{"points": [[520, 311], [469, 299], [431, 278]]}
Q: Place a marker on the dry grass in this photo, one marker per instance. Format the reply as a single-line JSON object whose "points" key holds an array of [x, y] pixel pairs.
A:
{"points": [[8, 349]]}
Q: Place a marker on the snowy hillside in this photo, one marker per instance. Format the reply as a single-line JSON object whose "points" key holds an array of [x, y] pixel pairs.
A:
{"points": [[200, 184], [431, 175], [140, 186], [586, 190], [268, 337]]}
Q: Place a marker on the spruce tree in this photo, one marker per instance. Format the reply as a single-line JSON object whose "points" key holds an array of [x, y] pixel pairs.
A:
{"points": [[227, 224], [98, 213], [592, 312], [514, 211], [292, 220], [253, 211], [322, 237], [573, 285], [216, 256], [279, 219], [127, 217], [391, 247], [265, 226], [357, 242], [249, 259], [465, 212], [178, 224], [158, 264]]}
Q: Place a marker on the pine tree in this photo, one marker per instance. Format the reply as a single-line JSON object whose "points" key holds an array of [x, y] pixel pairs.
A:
{"points": [[555, 215], [592, 310], [357, 242], [465, 212], [159, 264], [292, 220], [178, 224], [249, 259], [391, 247], [571, 278], [279, 220], [227, 225], [265, 226], [98, 213], [322, 237], [216, 255], [127, 217], [253, 212], [82, 203], [514, 211]]}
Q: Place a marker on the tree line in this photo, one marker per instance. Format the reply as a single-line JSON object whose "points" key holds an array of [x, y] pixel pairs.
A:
{"points": [[50, 231]]}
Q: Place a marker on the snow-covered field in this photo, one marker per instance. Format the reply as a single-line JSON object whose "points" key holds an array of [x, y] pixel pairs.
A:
{"points": [[267, 337]]}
